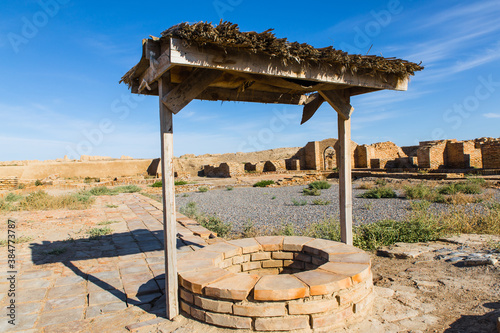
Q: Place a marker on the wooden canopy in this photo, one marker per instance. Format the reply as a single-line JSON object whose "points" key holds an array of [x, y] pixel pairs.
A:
{"points": [[221, 63]]}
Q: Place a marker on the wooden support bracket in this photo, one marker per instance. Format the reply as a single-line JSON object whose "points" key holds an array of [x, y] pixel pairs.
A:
{"points": [[339, 100], [312, 105]]}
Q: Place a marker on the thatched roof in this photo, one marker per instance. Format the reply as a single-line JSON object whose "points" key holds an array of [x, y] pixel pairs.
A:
{"points": [[228, 36]]}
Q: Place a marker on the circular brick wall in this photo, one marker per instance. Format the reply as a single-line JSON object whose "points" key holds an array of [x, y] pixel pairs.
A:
{"points": [[276, 283]]}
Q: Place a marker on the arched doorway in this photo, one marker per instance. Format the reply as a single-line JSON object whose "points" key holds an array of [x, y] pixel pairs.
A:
{"points": [[329, 158]]}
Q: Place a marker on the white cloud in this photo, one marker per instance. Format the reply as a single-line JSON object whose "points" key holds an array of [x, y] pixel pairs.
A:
{"points": [[491, 115]]}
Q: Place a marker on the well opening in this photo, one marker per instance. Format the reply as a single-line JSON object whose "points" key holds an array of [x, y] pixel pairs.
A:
{"points": [[276, 283]]}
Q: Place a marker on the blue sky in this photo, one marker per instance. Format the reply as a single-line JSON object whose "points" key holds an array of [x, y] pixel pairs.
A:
{"points": [[61, 61]]}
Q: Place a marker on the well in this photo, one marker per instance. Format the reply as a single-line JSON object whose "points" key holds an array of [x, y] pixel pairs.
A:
{"points": [[277, 283]]}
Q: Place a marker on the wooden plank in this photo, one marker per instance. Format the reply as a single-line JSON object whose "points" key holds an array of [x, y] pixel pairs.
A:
{"points": [[217, 58], [169, 215], [339, 100], [250, 95], [157, 67], [192, 86], [345, 181], [312, 105]]}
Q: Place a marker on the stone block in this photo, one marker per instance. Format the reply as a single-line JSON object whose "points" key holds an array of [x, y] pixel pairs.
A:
{"points": [[260, 310], [272, 263], [322, 282], [295, 243], [282, 323], [271, 243], [236, 287], [309, 307], [196, 281], [230, 321], [279, 288], [357, 272], [213, 305], [248, 266], [282, 255], [261, 256], [248, 245]]}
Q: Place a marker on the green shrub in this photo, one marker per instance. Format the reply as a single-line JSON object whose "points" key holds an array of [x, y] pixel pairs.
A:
{"points": [[320, 202], [6, 206], [213, 223], [273, 197], [100, 190], [12, 197], [229, 188], [157, 184], [185, 195], [249, 229], [203, 189], [38, 182], [263, 183], [180, 182], [379, 192], [320, 185], [286, 229], [381, 182], [107, 222], [325, 229], [112, 206], [465, 188], [126, 189], [419, 191], [21, 186], [422, 205], [311, 191], [299, 203], [476, 180], [96, 233]]}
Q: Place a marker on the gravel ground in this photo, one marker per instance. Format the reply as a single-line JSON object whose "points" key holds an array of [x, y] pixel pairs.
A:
{"points": [[257, 205]]}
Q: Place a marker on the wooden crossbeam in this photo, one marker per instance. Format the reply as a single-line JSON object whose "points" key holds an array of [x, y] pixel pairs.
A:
{"points": [[312, 105], [191, 87], [339, 100], [250, 95]]}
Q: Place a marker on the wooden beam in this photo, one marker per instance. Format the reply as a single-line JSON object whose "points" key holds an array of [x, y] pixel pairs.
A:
{"points": [[192, 86], [339, 100], [251, 95], [159, 64], [257, 63], [169, 214], [345, 181], [312, 105]]}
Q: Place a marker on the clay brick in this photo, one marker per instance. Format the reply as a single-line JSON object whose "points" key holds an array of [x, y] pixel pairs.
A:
{"points": [[247, 266], [227, 249], [309, 307], [293, 264], [228, 320], [248, 245], [185, 307], [261, 256], [353, 295], [226, 263], [236, 287], [201, 255], [282, 323], [323, 282], [271, 243], [354, 258], [295, 243], [213, 305], [331, 320], [198, 314], [364, 305], [272, 263], [184, 266], [316, 246], [279, 288], [342, 249], [357, 272], [196, 281], [266, 271], [241, 259], [302, 257], [282, 255], [318, 261], [260, 310], [186, 295], [234, 269]]}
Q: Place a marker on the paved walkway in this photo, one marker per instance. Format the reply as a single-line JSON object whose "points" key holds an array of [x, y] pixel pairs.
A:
{"points": [[67, 285]]}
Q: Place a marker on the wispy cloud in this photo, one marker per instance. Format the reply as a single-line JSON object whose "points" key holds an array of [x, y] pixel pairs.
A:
{"points": [[491, 115]]}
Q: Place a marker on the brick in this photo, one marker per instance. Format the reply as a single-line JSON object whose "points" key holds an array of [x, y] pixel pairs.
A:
{"points": [[248, 245], [295, 243], [357, 272], [234, 269], [342, 249], [353, 295], [293, 264], [364, 305], [322, 282], [260, 310], [186, 295], [184, 266], [226, 263], [196, 281], [272, 263], [331, 320], [309, 307], [282, 323], [247, 266], [316, 246], [282, 255], [228, 320], [271, 243], [279, 288], [267, 271], [241, 259], [198, 314], [302, 257], [215, 257], [227, 249], [318, 261], [354, 258], [236, 287], [185, 307], [261, 256], [213, 305]]}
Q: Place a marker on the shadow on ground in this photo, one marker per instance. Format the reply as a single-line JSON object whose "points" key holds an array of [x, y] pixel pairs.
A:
{"points": [[480, 323]]}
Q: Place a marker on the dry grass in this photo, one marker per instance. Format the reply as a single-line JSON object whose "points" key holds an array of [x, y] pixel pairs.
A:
{"points": [[41, 200]]}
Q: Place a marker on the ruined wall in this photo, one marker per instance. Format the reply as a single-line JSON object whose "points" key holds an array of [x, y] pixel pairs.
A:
{"points": [[225, 170], [275, 166], [431, 154], [491, 155], [383, 154], [463, 155]]}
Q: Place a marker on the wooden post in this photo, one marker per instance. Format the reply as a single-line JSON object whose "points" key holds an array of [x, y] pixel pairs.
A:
{"points": [[169, 214], [345, 181]]}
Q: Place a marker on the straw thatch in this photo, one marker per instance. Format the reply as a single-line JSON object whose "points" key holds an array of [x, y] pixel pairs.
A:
{"points": [[228, 36]]}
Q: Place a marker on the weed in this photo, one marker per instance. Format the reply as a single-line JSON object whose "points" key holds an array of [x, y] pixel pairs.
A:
{"points": [[320, 185], [19, 240], [21, 186], [185, 195], [381, 182], [112, 206], [89, 180], [286, 229], [465, 188], [476, 180], [422, 205], [249, 229], [263, 183], [493, 206], [320, 202], [38, 182], [273, 197], [4, 205], [368, 206], [12, 197], [180, 182], [328, 228], [229, 188], [419, 191], [107, 222], [299, 203], [96, 233], [213, 223], [42, 201], [311, 191], [103, 190], [203, 189], [157, 184], [379, 192], [365, 186]]}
